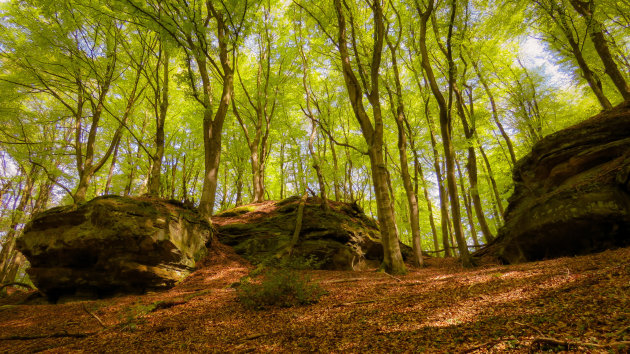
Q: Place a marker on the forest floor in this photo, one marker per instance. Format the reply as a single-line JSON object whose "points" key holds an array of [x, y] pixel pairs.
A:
{"points": [[579, 304]]}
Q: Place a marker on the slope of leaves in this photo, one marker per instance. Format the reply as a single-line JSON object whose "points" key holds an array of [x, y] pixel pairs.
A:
{"points": [[441, 308]]}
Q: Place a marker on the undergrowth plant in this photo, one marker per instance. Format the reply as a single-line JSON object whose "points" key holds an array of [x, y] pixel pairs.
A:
{"points": [[279, 287]]}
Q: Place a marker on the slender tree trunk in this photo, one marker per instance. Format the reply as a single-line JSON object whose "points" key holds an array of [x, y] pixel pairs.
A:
{"points": [[495, 113], [399, 117], [337, 189], [110, 173], [160, 120], [471, 167], [559, 16], [493, 182], [585, 9], [8, 246], [282, 146], [444, 218], [446, 131], [373, 134], [467, 205]]}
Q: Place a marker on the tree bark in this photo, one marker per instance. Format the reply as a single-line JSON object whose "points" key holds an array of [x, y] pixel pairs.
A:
{"points": [[399, 117], [596, 33], [373, 134], [446, 131]]}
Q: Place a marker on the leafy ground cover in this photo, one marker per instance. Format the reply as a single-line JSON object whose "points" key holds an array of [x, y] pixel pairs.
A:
{"points": [[568, 304]]}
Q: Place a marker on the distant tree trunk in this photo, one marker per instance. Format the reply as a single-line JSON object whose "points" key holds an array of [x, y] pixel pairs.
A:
{"points": [[337, 189], [467, 205], [399, 117], [559, 16], [282, 146], [444, 218], [586, 9], [495, 114], [471, 165], [160, 120], [493, 182], [110, 173], [7, 252], [445, 129], [309, 113]]}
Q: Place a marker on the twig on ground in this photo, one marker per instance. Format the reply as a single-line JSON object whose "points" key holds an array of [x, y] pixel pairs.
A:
{"points": [[94, 315], [393, 277]]}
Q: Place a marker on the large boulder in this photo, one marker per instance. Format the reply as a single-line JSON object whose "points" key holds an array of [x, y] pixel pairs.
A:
{"points": [[572, 193], [113, 245], [343, 238]]}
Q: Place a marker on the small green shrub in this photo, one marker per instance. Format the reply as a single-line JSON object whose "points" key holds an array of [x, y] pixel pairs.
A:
{"points": [[281, 288]]}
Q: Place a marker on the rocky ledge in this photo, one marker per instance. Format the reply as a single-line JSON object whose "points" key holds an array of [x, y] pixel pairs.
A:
{"points": [[571, 194], [342, 238], [112, 245]]}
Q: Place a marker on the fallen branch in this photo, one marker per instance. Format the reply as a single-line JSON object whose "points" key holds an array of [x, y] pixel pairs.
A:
{"points": [[393, 277], [94, 315], [52, 335]]}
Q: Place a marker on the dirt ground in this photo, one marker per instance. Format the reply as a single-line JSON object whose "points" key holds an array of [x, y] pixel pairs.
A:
{"points": [[579, 304]]}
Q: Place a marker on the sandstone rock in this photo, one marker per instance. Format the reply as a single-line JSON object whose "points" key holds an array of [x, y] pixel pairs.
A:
{"points": [[343, 239], [572, 193], [112, 245]]}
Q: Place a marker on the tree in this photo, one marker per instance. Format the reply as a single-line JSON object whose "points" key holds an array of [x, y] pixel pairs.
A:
{"points": [[372, 133]]}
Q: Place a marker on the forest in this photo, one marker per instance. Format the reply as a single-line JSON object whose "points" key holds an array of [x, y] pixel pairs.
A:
{"points": [[416, 112]]}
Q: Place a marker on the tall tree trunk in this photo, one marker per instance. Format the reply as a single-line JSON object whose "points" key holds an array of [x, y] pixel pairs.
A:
{"points": [[282, 146], [471, 166], [558, 15], [586, 9], [212, 127], [160, 120], [399, 117], [373, 134], [446, 131]]}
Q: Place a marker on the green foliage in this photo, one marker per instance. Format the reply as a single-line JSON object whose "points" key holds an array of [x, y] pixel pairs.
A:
{"points": [[279, 288], [237, 211]]}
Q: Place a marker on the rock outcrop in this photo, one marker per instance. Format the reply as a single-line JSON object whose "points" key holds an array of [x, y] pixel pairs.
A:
{"points": [[342, 239], [112, 245], [572, 193]]}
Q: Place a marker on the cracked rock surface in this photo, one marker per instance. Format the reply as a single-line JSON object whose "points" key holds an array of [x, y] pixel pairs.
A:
{"points": [[112, 245], [571, 194]]}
